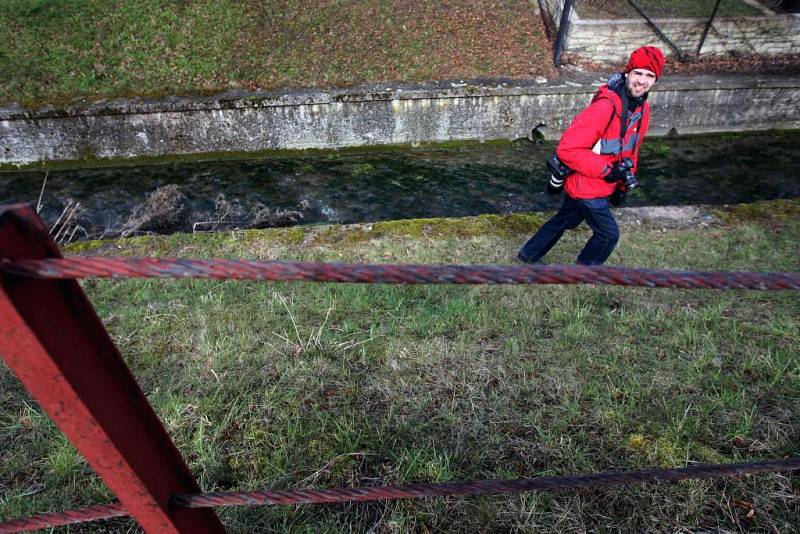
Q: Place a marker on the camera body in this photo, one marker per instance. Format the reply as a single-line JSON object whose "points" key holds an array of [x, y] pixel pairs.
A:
{"points": [[623, 172], [558, 173]]}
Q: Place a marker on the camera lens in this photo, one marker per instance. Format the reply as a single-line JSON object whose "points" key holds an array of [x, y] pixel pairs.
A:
{"points": [[631, 182]]}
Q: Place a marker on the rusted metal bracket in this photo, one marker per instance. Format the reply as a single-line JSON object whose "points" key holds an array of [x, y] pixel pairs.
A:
{"points": [[52, 339]]}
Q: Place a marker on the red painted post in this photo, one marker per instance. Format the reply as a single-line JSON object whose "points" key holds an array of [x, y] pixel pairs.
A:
{"points": [[52, 339]]}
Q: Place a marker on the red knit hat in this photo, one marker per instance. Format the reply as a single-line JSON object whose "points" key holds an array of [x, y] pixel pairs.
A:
{"points": [[647, 57]]}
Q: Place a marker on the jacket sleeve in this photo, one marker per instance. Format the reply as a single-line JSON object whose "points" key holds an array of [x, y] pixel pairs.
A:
{"points": [[575, 147]]}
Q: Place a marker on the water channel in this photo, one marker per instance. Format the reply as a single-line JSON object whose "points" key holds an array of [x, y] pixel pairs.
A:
{"points": [[379, 184]]}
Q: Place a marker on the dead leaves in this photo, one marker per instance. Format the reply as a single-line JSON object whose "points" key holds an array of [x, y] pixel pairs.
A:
{"points": [[747, 509]]}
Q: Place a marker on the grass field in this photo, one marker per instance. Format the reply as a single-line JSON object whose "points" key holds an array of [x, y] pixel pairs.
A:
{"points": [[57, 50], [320, 385]]}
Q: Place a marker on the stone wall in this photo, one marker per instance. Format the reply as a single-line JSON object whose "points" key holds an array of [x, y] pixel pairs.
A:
{"points": [[377, 115], [610, 41]]}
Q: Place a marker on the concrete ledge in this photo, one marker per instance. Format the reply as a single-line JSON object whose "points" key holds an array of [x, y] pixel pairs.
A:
{"points": [[377, 115]]}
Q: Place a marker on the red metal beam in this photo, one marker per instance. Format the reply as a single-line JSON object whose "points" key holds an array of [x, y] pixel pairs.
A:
{"points": [[52, 339]]}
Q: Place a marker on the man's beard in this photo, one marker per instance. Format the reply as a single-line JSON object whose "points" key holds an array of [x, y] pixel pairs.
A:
{"points": [[631, 91]]}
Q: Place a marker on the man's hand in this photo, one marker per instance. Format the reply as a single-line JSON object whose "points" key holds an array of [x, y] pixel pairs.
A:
{"points": [[617, 197], [621, 170]]}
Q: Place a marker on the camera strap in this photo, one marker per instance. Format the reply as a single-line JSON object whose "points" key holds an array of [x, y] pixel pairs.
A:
{"points": [[624, 118], [623, 121]]}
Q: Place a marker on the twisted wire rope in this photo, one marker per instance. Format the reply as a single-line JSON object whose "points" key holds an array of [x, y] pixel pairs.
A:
{"points": [[60, 519], [410, 491], [479, 487], [227, 269]]}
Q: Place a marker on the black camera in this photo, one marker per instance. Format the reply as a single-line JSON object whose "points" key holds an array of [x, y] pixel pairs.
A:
{"points": [[621, 172], [558, 173]]}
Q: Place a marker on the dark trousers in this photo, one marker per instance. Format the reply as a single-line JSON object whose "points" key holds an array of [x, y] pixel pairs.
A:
{"points": [[597, 215]]}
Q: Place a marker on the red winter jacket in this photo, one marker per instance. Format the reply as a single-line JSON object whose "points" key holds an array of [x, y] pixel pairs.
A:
{"points": [[601, 122]]}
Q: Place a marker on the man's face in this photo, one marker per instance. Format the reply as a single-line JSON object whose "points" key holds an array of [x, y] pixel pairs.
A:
{"points": [[639, 81]]}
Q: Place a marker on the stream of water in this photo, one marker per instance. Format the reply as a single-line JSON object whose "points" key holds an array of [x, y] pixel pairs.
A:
{"points": [[369, 185]]}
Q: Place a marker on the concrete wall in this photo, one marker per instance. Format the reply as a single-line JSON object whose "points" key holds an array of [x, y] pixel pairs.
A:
{"points": [[377, 115], [610, 41]]}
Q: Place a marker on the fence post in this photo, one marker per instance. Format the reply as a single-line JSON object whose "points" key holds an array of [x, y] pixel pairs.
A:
{"points": [[563, 29], [707, 27], [52, 339]]}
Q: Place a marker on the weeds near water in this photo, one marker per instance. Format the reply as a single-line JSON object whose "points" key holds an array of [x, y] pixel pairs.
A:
{"points": [[226, 214], [230, 215], [163, 211]]}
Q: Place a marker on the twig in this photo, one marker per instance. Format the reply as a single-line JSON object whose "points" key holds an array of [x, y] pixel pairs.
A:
{"points": [[41, 193], [65, 224], [313, 477], [214, 223], [72, 235], [55, 225]]}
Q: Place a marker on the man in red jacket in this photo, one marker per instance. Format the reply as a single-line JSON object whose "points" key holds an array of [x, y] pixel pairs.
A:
{"points": [[601, 148]]}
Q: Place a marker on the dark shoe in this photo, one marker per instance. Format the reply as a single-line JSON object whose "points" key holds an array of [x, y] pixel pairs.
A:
{"points": [[523, 259]]}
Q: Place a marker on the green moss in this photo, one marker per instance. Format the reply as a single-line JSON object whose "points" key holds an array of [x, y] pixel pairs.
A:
{"points": [[706, 454], [508, 225], [665, 452], [481, 225], [148, 245], [84, 247], [362, 168], [656, 148], [771, 210]]}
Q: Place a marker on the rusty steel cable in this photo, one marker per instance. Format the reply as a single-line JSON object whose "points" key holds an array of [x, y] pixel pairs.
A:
{"points": [[152, 267], [481, 487], [413, 491], [60, 519]]}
